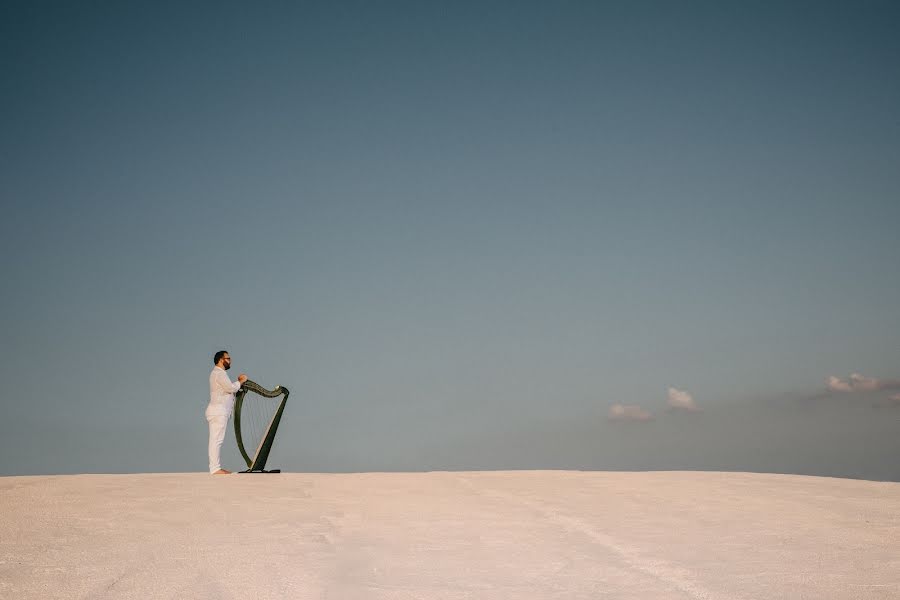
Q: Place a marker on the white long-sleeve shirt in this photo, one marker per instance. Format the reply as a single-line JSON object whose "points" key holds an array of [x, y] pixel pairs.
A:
{"points": [[221, 393]]}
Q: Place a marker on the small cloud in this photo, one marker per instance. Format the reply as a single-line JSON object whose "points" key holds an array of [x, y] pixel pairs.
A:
{"points": [[621, 412], [857, 383], [864, 384], [837, 385], [681, 400]]}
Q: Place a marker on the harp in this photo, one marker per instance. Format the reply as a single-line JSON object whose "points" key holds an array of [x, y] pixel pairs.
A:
{"points": [[257, 412]]}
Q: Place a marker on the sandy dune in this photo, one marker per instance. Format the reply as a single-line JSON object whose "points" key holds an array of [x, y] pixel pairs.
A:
{"points": [[492, 535]]}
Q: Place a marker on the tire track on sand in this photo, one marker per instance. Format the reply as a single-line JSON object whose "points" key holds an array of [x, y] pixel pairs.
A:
{"points": [[664, 571]]}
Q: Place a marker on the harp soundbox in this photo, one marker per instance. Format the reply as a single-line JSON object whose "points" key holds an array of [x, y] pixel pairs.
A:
{"points": [[257, 413]]}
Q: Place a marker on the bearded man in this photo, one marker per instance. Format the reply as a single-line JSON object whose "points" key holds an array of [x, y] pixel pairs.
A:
{"points": [[221, 403]]}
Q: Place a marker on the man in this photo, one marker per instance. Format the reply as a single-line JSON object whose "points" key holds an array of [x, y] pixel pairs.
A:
{"points": [[221, 403]]}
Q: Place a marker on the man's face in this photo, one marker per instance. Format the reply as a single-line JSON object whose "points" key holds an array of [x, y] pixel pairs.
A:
{"points": [[226, 362]]}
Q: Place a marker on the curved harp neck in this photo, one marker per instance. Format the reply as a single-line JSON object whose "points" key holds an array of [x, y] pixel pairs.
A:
{"points": [[255, 387]]}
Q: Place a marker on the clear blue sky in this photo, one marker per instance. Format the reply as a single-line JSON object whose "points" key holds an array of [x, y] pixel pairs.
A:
{"points": [[458, 232]]}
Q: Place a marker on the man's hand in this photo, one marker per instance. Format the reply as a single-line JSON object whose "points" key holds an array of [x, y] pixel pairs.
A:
{"points": [[242, 378]]}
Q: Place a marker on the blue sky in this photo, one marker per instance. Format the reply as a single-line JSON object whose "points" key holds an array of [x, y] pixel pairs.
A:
{"points": [[459, 233]]}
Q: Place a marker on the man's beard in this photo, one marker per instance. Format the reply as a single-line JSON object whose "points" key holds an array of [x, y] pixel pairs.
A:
{"points": [[227, 365]]}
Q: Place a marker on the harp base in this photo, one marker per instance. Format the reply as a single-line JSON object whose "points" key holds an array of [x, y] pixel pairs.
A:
{"points": [[256, 472]]}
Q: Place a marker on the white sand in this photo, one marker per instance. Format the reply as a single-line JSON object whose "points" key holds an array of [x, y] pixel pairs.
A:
{"points": [[565, 535]]}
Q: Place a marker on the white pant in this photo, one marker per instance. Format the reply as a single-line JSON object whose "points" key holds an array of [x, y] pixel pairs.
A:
{"points": [[217, 426]]}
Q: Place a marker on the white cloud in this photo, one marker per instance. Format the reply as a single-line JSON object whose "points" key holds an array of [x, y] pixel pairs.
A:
{"points": [[621, 412], [837, 385], [681, 400], [864, 384], [857, 383]]}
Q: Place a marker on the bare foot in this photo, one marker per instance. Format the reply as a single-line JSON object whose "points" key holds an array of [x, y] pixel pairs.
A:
{"points": [[222, 472]]}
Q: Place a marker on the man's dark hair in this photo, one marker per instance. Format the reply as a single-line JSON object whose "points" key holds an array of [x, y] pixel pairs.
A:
{"points": [[219, 356]]}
